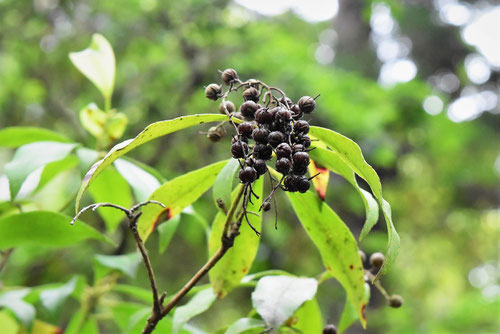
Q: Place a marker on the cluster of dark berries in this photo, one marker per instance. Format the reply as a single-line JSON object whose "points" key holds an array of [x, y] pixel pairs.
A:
{"points": [[273, 126]]}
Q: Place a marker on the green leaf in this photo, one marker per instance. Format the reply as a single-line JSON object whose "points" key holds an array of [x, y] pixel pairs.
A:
{"points": [[196, 305], [13, 300], [122, 313], [309, 318], [223, 184], [126, 264], [333, 162], [93, 120], [166, 232], [143, 183], [276, 298], [8, 323], [244, 324], [151, 132], [116, 125], [176, 195], [335, 242], [351, 154], [30, 157], [45, 228], [138, 293], [97, 63], [16, 136], [111, 187], [349, 314], [236, 263], [52, 169], [53, 299]]}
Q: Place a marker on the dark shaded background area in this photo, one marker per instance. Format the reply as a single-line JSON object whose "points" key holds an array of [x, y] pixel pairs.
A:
{"points": [[440, 176]]}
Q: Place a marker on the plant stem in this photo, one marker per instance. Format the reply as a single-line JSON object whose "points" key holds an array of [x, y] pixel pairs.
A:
{"points": [[5, 258]]}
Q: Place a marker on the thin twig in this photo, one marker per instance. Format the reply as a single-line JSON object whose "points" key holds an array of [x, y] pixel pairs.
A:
{"points": [[5, 258]]}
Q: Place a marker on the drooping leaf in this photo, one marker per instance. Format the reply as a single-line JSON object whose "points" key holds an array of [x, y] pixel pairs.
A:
{"points": [[223, 184], [45, 228], [244, 324], [126, 264], [333, 162], [349, 314], [276, 298], [97, 63], [143, 183], [52, 299], [93, 120], [30, 157], [166, 232], [196, 305], [351, 154], [151, 132], [13, 300], [176, 195], [16, 136], [236, 263], [335, 243], [309, 318], [111, 187]]}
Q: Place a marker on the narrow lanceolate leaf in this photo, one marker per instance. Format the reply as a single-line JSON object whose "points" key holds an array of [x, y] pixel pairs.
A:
{"points": [[176, 195], [30, 157], [321, 178], [44, 228], [335, 243], [151, 132], [276, 298], [349, 314], [351, 154], [97, 63], [333, 162], [223, 184], [236, 263], [197, 305], [21, 135]]}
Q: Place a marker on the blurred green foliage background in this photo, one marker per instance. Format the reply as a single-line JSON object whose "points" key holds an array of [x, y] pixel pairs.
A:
{"points": [[440, 176]]}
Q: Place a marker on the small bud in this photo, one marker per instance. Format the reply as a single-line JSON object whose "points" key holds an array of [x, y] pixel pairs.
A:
{"points": [[229, 75], [229, 106], [377, 260], [395, 301], [307, 104], [266, 206], [330, 329], [213, 92]]}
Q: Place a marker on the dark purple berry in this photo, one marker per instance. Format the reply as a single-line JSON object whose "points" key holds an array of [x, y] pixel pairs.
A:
{"points": [[213, 92], [263, 116], [303, 184], [249, 162], [298, 148], [330, 329], [251, 94], [263, 151], [287, 100], [260, 135], [239, 149], [283, 150], [395, 301], [307, 104], [305, 140], [248, 109], [301, 159], [248, 175], [283, 166], [245, 129], [229, 75], [229, 106], [275, 138], [260, 166], [301, 126], [299, 170], [290, 183], [283, 115], [266, 206]]}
